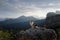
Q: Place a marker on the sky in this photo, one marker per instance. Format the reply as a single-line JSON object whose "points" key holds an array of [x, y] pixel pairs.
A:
{"points": [[36, 8]]}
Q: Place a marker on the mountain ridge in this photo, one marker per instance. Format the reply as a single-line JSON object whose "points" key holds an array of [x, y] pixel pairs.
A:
{"points": [[19, 19]]}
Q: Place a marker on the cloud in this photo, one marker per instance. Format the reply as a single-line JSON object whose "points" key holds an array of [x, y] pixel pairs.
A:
{"points": [[15, 8]]}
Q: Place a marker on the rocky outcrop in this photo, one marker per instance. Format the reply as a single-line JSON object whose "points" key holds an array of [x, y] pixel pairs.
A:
{"points": [[50, 14], [53, 21], [37, 34]]}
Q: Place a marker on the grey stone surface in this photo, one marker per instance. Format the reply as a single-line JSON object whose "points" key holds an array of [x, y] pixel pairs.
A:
{"points": [[39, 34]]}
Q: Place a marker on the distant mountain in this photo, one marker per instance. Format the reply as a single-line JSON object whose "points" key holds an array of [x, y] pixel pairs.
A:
{"points": [[22, 25], [40, 22], [19, 19], [20, 22], [25, 19], [2, 19]]}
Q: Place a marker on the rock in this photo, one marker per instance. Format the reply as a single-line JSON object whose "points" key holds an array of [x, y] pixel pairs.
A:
{"points": [[51, 14], [53, 21], [38, 34]]}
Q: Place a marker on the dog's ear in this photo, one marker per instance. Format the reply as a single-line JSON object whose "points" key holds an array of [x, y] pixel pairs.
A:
{"points": [[31, 22]]}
